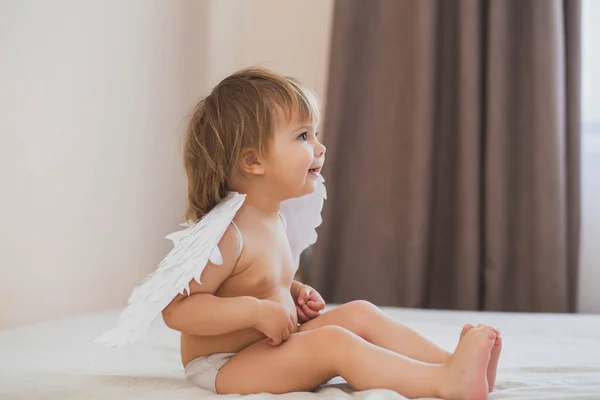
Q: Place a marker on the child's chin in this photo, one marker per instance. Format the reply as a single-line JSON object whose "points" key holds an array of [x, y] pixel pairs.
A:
{"points": [[305, 189], [308, 188]]}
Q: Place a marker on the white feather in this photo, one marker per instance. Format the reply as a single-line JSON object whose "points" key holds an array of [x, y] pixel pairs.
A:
{"points": [[216, 257], [303, 217], [193, 248]]}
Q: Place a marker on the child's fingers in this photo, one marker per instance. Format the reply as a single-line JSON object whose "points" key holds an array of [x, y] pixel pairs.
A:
{"points": [[310, 312], [304, 295], [275, 340], [315, 305], [301, 316], [316, 297]]}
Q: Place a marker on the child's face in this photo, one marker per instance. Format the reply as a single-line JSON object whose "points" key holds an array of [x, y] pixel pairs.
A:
{"points": [[295, 158]]}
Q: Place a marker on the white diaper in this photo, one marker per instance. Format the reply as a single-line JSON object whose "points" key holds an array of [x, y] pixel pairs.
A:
{"points": [[202, 371]]}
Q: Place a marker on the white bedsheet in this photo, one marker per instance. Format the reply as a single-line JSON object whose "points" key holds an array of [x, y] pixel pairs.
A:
{"points": [[544, 357]]}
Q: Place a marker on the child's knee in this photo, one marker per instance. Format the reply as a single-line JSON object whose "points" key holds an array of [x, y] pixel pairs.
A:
{"points": [[330, 337], [332, 344], [359, 312], [361, 307]]}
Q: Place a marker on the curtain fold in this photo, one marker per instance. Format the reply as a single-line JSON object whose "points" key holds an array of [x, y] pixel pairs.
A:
{"points": [[452, 130]]}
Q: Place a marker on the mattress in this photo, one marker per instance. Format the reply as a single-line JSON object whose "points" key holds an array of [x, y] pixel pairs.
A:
{"points": [[545, 356]]}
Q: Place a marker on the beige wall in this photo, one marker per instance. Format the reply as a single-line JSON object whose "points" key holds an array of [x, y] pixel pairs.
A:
{"points": [[93, 101], [291, 37]]}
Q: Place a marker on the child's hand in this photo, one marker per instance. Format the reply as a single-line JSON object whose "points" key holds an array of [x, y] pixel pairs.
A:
{"points": [[309, 303], [275, 321]]}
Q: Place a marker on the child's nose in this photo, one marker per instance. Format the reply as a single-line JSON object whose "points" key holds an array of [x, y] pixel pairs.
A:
{"points": [[320, 150]]}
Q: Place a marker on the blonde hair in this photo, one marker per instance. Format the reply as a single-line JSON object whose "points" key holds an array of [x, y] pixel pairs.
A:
{"points": [[241, 112]]}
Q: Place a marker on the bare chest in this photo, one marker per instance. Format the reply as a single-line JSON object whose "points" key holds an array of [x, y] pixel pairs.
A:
{"points": [[265, 267]]}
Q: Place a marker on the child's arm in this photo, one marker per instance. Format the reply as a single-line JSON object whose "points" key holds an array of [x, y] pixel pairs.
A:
{"points": [[203, 313]]}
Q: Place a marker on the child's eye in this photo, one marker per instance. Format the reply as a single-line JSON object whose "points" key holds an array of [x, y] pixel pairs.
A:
{"points": [[303, 136]]}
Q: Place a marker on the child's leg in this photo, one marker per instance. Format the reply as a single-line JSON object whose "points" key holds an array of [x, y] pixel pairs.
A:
{"points": [[311, 358], [370, 323]]}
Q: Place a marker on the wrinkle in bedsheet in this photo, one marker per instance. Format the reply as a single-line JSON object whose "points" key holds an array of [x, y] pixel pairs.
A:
{"points": [[545, 357]]}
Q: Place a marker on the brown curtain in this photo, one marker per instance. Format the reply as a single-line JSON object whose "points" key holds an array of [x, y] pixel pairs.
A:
{"points": [[452, 129]]}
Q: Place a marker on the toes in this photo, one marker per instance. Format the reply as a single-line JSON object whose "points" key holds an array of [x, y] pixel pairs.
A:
{"points": [[496, 331], [466, 328], [484, 336], [484, 332], [498, 341]]}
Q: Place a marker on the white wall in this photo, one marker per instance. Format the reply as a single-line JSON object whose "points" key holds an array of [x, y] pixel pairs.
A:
{"points": [[589, 278], [589, 295], [93, 99], [591, 60], [291, 37]]}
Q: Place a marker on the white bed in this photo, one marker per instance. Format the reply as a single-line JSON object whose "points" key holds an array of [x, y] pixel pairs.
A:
{"points": [[544, 357]]}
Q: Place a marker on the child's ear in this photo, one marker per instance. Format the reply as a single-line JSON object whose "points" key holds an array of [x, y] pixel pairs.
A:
{"points": [[250, 162]]}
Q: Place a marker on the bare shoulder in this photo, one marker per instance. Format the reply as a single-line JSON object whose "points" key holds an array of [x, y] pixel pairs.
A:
{"points": [[214, 275]]}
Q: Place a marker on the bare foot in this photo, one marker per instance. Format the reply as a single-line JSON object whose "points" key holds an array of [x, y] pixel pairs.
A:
{"points": [[467, 370], [494, 357], [495, 354], [466, 329]]}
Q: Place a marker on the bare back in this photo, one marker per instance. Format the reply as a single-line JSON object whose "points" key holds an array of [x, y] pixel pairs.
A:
{"points": [[264, 270]]}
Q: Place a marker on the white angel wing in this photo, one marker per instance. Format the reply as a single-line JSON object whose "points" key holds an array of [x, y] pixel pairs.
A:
{"points": [[303, 216], [193, 248]]}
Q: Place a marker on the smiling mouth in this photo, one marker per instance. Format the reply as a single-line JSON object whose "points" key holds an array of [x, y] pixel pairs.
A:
{"points": [[315, 170]]}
